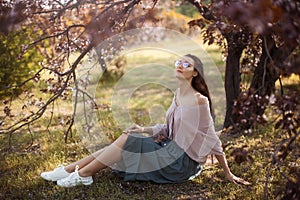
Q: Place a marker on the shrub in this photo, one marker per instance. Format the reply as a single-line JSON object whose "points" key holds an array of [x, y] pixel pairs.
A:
{"points": [[17, 62]]}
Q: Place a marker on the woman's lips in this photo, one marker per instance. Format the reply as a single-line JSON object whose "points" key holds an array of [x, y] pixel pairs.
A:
{"points": [[179, 71]]}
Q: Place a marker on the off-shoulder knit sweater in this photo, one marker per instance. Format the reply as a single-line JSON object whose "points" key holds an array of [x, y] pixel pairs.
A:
{"points": [[192, 128]]}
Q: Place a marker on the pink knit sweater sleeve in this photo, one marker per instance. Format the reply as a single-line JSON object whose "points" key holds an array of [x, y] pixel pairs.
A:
{"points": [[194, 132], [159, 129]]}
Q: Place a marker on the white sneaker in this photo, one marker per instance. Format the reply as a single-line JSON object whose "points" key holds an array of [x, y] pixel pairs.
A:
{"points": [[55, 175], [74, 179]]}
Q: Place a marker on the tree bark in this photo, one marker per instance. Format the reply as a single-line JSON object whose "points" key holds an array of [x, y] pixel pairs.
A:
{"points": [[266, 74], [232, 76]]}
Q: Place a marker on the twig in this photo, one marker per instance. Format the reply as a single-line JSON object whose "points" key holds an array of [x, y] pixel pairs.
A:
{"points": [[51, 117], [74, 109], [276, 162], [203, 10], [29, 129], [34, 116], [26, 81], [58, 34]]}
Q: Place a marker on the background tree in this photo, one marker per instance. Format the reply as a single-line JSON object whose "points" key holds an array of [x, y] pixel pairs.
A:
{"points": [[260, 40], [63, 28]]}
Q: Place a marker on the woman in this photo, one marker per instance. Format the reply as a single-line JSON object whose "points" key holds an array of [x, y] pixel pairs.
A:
{"points": [[175, 152]]}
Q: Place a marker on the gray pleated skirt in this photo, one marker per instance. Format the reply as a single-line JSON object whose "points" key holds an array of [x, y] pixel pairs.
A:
{"points": [[146, 160]]}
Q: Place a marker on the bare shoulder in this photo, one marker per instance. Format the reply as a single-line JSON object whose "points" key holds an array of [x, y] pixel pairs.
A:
{"points": [[201, 99]]}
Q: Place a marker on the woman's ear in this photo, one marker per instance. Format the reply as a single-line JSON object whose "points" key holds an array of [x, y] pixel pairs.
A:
{"points": [[195, 74]]}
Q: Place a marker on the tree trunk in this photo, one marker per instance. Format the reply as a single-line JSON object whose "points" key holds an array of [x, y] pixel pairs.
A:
{"points": [[232, 76], [266, 74]]}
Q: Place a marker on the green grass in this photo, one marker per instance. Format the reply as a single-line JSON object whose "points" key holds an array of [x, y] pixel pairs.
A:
{"points": [[23, 163]]}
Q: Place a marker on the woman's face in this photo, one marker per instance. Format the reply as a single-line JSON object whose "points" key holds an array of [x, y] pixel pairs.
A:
{"points": [[185, 68]]}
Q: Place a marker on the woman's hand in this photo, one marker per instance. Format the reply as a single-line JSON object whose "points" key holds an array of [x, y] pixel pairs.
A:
{"points": [[159, 137], [134, 128], [232, 178]]}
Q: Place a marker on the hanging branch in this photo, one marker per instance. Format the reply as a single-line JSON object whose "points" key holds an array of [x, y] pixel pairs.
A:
{"points": [[116, 15]]}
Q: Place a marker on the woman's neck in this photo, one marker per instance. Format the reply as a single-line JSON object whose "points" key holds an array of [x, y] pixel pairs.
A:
{"points": [[185, 88]]}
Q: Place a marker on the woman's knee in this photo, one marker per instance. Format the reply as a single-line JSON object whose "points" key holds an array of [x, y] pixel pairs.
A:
{"points": [[122, 139]]}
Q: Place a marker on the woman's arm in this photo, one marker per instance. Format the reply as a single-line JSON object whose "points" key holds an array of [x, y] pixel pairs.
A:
{"points": [[134, 128], [152, 130], [230, 176]]}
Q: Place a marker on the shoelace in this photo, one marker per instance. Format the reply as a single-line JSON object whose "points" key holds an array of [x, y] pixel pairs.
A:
{"points": [[73, 174], [76, 168]]}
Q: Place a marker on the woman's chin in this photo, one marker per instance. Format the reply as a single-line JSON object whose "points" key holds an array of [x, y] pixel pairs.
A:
{"points": [[179, 75]]}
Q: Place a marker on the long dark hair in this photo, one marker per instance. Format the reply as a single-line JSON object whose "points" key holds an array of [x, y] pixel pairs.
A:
{"points": [[198, 82]]}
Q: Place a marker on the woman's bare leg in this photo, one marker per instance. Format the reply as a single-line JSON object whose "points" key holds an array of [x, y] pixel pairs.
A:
{"points": [[109, 156], [83, 162]]}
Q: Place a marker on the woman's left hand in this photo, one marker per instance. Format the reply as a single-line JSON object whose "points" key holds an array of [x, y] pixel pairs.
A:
{"points": [[134, 128], [232, 178]]}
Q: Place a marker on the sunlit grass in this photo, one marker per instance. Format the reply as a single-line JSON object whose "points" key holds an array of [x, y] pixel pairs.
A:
{"points": [[290, 83], [20, 169]]}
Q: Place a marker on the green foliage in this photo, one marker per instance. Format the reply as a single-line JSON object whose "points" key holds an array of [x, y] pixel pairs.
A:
{"points": [[187, 9], [17, 63]]}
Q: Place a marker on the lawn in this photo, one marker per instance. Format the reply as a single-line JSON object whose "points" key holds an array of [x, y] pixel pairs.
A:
{"points": [[32, 154]]}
